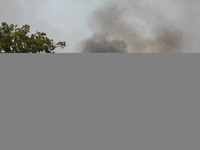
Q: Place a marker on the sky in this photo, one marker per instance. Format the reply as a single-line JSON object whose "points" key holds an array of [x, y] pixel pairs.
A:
{"points": [[62, 20], [111, 25]]}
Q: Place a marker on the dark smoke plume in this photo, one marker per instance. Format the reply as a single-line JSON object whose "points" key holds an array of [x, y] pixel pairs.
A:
{"points": [[137, 26], [100, 44]]}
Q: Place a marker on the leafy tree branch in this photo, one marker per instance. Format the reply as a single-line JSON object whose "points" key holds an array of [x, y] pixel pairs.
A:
{"points": [[17, 40]]}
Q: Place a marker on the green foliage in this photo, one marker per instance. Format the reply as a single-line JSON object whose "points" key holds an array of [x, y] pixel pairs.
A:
{"points": [[17, 40]]}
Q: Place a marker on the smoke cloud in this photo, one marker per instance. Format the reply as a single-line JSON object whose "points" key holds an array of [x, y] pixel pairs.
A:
{"points": [[117, 25], [144, 26], [100, 44]]}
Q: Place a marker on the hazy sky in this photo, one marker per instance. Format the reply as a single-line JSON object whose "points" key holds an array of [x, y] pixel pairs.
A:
{"points": [[60, 19], [170, 23]]}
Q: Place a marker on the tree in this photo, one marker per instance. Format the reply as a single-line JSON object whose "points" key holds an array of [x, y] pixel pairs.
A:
{"points": [[17, 40]]}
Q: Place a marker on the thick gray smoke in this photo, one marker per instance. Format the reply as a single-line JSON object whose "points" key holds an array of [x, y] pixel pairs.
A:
{"points": [[100, 44], [143, 26]]}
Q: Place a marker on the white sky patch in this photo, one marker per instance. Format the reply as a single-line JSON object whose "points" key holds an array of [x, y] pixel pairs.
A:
{"points": [[61, 20]]}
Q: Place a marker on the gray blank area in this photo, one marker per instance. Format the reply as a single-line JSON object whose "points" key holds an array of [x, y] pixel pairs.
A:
{"points": [[99, 102]]}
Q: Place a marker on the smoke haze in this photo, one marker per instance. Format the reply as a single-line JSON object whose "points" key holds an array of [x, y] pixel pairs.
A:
{"points": [[144, 26], [114, 25]]}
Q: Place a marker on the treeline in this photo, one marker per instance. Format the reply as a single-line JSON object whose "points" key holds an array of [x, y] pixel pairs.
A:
{"points": [[18, 40]]}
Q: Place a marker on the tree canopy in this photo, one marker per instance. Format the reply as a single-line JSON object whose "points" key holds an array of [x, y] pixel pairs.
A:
{"points": [[18, 40]]}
